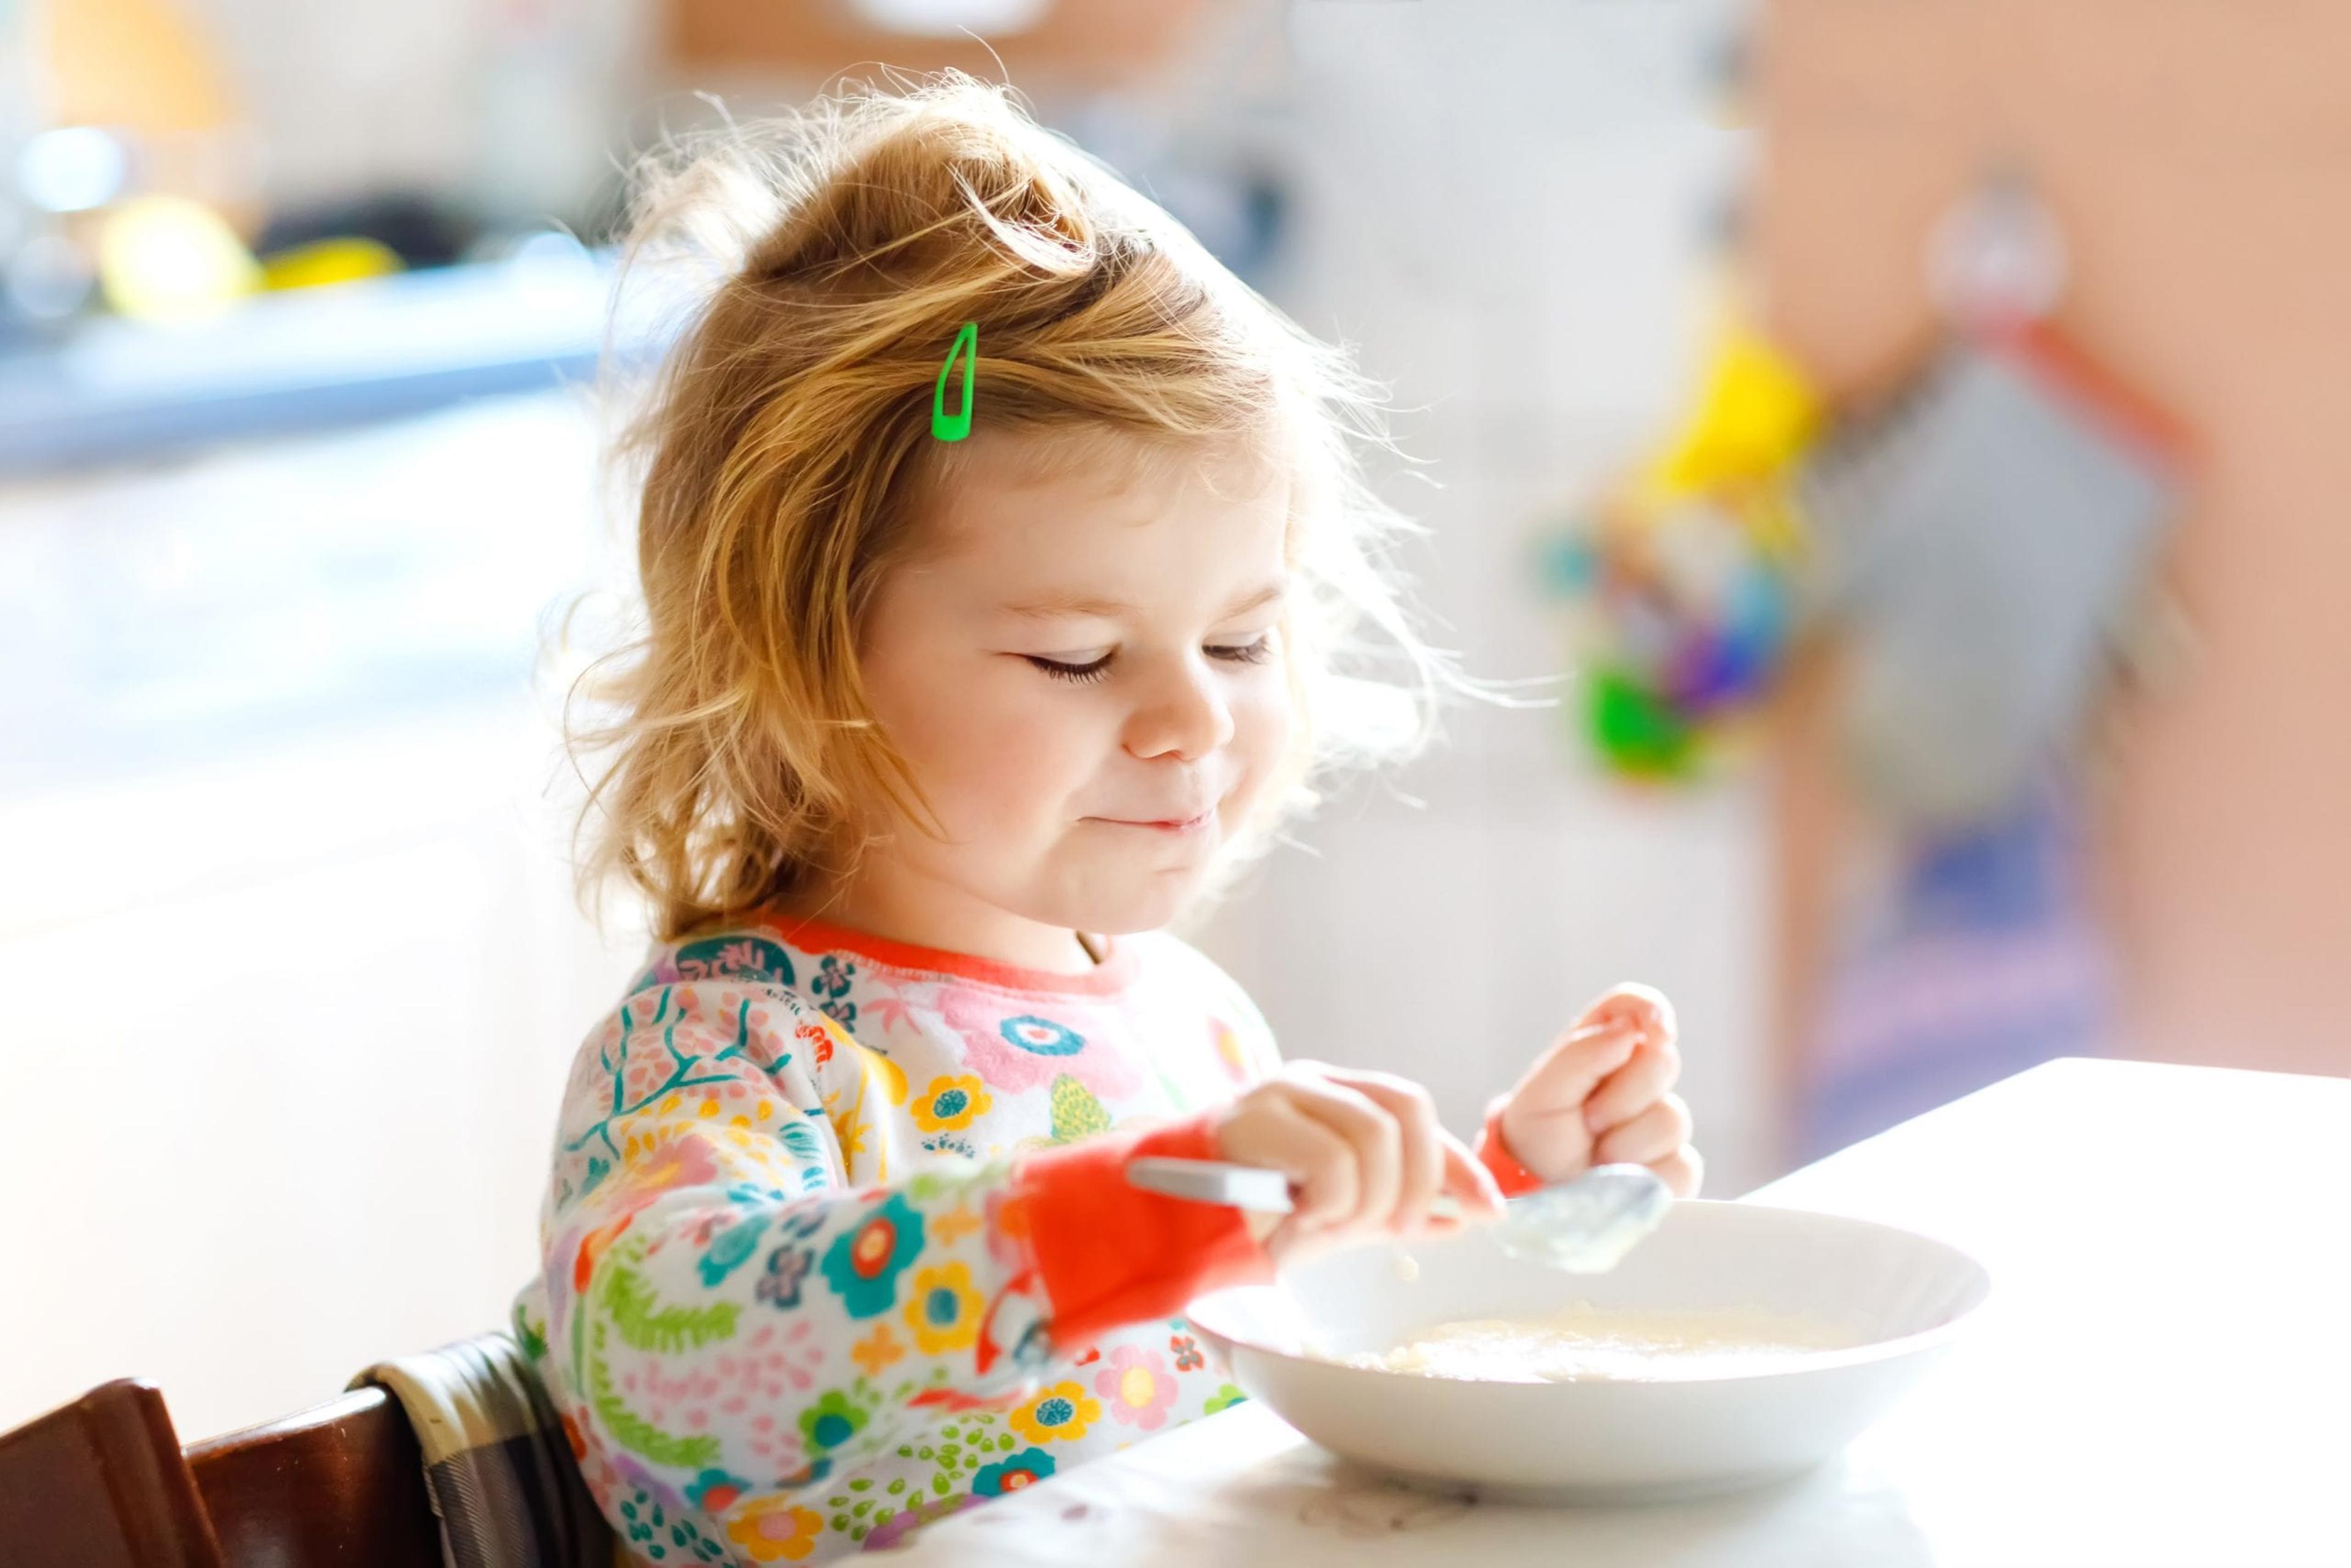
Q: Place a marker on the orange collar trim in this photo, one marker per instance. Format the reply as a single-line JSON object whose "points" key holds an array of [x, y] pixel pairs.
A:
{"points": [[1113, 975]]}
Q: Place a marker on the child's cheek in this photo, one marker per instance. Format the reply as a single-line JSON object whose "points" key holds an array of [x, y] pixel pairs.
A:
{"points": [[1263, 722]]}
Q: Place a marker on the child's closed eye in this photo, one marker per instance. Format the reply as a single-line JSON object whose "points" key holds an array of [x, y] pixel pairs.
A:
{"points": [[1065, 670], [1255, 652]]}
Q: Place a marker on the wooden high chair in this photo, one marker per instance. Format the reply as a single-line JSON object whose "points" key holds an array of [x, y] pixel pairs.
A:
{"points": [[104, 1483]]}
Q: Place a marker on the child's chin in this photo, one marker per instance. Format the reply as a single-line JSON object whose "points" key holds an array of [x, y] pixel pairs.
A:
{"points": [[1133, 909]]}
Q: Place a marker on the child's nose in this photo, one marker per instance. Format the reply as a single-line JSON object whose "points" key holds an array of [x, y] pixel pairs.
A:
{"points": [[1183, 713]]}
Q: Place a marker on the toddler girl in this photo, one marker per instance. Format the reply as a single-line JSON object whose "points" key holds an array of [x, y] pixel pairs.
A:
{"points": [[928, 734]]}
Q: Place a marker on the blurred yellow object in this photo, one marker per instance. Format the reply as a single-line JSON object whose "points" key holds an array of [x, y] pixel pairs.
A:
{"points": [[1757, 411], [328, 261], [167, 258]]}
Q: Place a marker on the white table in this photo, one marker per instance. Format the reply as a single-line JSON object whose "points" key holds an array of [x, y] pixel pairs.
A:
{"points": [[2121, 1401]]}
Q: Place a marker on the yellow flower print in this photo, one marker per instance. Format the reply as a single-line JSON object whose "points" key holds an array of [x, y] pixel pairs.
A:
{"points": [[878, 1349], [944, 1310], [850, 1125], [877, 1067], [648, 1138], [657, 1155], [773, 1528], [1062, 1412], [949, 1105]]}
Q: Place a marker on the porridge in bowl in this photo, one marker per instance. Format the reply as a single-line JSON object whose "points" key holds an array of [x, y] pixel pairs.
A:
{"points": [[1739, 1343], [1583, 1340]]}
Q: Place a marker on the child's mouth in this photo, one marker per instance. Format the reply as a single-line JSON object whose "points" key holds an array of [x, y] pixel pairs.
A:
{"points": [[1165, 825]]}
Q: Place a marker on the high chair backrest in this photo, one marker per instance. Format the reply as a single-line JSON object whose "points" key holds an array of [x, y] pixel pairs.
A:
{"points": [[100, 1483], [339, 1483], [104, 1483]]}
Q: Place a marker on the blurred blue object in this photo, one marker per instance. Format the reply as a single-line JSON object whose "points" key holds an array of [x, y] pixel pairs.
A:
{"points": [[155, 616], [310, 359], [1980, 959]]}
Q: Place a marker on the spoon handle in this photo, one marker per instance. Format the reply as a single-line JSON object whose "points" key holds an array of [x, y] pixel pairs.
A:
{"points": [[1240, 1187]]}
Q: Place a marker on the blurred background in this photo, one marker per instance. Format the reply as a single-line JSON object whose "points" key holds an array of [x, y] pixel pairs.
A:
{"points": [[1895, 439]]}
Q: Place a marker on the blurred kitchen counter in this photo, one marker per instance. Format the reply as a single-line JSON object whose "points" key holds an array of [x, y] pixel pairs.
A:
{"points": [[286, 901]]}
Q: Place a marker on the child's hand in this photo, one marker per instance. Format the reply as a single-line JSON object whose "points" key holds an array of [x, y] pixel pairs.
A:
{"points": [[1599, 1096], [1363, 1150]]}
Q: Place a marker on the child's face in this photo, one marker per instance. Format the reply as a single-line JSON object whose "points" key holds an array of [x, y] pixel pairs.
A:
{"points": [[1082, 667]]}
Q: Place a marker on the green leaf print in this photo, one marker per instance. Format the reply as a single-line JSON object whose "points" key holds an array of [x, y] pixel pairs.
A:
{"points": [[645, 1324], [528, 1335], [1076, 1112], [1224, 1398], [632, 1431]]}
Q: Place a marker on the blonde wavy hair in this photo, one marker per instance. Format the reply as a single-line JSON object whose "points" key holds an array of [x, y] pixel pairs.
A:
{"points": [[785, 452]]}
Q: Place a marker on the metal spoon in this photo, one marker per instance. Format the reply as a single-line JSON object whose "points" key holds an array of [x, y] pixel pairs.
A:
{"points": [[1580, 1226]]}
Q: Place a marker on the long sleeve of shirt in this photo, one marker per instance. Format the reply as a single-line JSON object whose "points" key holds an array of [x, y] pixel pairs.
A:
{"points": [[795, 1292]]}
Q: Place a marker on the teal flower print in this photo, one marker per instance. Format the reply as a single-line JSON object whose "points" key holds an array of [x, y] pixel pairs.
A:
{"points": [[1042, 1037], [746, 958], [734, 1245], [863, 1265], [1024, 1468], [800, 1141], [830, 983], [714, 1490], [832, 1420]]}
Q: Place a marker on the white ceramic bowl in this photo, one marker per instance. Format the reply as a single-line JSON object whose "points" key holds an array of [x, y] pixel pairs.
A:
{"points": [[1901, 1295]]}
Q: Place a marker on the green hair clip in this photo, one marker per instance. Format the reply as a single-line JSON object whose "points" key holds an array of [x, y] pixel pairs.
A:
{"points": [[955, 426]]}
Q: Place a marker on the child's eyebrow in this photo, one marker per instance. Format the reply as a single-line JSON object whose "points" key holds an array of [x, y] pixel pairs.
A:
{"points": [[1056, 604]]}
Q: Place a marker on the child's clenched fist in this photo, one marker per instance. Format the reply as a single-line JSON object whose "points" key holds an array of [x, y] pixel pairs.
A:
{"points": [[1600, 1095]]}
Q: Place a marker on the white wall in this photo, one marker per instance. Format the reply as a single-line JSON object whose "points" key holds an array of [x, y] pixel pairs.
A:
{"points": [[1504, 209]]}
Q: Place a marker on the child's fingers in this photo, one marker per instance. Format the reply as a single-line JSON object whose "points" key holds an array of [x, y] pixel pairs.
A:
{"points": [[1467, 1180], [1631, 1089], [1421, 1163], [1682, 1170], [1370, 1133], [1653, 1134], [1269, 1130], [1634, 1003], [1566, 1074]]}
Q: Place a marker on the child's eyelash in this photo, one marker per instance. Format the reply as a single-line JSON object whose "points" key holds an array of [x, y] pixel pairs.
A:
{"points": [[1255, 652], [1061, 671]]}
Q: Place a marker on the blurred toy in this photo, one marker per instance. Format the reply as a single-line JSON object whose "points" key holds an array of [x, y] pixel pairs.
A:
{"points": [[1680, 576], [344, 259], [167, 258]]}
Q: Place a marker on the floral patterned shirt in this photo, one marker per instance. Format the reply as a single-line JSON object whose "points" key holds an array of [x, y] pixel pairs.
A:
{"points": [[835, 1244]]}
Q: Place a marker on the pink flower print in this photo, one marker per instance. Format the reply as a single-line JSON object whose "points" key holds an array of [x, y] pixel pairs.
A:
{"points": [[667, 1156], [1014, 1047], [890, 1006], [1135, 1387]]}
